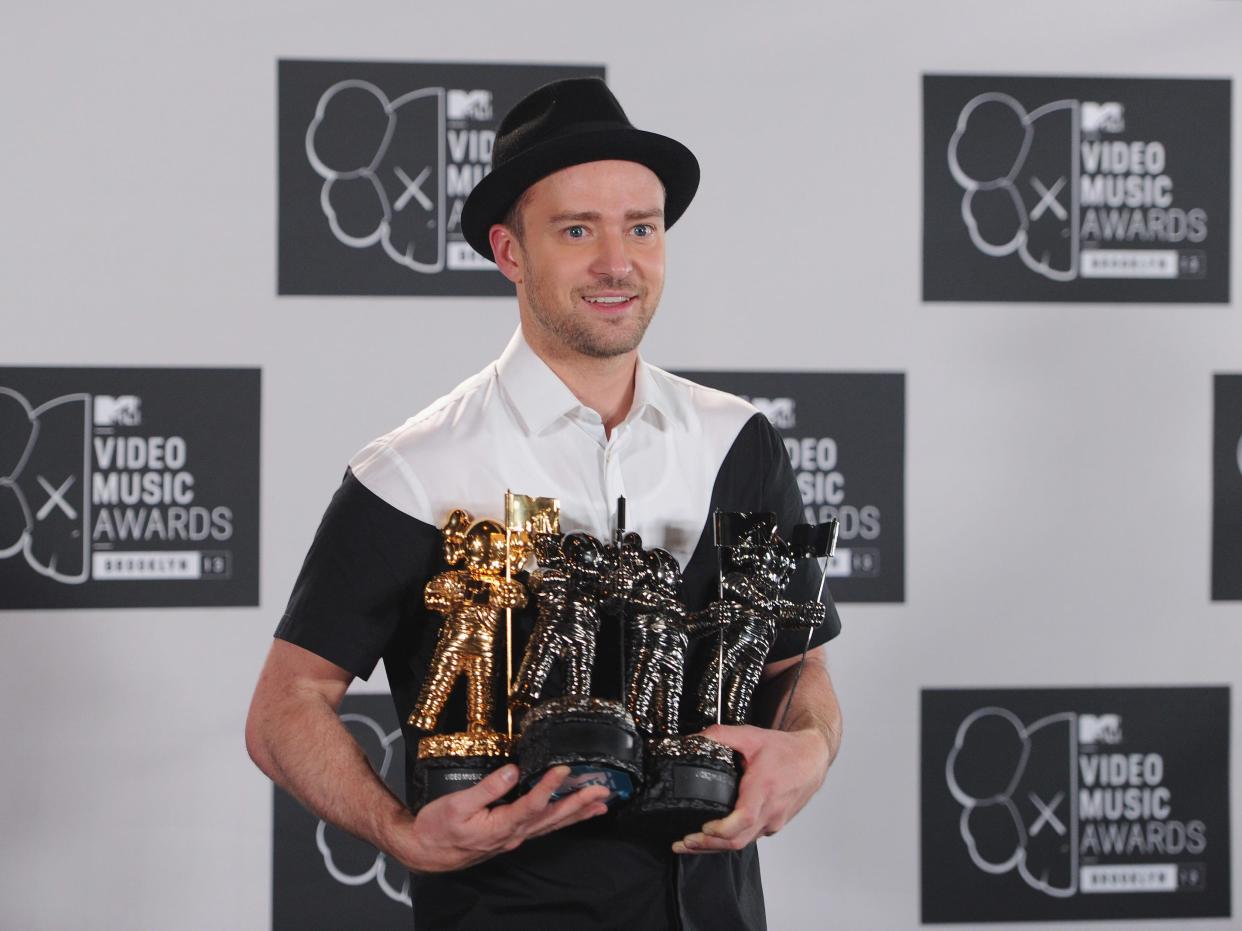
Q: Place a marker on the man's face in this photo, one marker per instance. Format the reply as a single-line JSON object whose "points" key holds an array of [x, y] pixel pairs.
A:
{"points": [[590, 262]]}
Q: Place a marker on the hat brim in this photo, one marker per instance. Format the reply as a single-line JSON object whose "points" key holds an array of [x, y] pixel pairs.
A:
{"points": [[672, 162]]}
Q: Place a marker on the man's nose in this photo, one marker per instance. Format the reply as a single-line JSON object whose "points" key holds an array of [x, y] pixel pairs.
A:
{"points": [[612, 258]]}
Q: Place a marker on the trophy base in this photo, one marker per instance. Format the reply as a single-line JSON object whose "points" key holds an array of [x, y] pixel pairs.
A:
{"points": [[594, 737], [448, 763], [690, 780]]}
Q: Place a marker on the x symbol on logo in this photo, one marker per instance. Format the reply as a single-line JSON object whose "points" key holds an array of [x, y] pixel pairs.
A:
{"points": [[413, 189], [56, 498], [1045, 814], [1048, 199]]}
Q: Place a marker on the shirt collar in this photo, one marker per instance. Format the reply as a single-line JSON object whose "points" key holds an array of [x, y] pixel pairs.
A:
{"points": [[540, 398], [652, 397], [537, 395]]}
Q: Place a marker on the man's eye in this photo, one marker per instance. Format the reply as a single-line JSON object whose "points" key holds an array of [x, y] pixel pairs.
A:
{"points": [[644, 229], [576, 232]]}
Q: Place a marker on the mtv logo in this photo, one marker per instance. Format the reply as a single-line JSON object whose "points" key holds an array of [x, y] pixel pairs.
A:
{"points": [[778, 410], [1099, 729], [1102, 117], [121, 411], [469, 105]]}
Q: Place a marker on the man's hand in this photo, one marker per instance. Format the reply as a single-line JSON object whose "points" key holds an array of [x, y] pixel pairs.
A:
{"points": [[296, 738], [459, 830], [783, 769]]}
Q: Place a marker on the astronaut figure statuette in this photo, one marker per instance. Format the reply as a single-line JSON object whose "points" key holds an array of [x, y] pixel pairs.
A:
{"points": [[470, 599], [688, 779], [594, 736], [566, 586], [660, 633], [760, 566]]}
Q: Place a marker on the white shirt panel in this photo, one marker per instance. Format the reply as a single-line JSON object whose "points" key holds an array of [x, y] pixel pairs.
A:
{"points": [[516, 426]]}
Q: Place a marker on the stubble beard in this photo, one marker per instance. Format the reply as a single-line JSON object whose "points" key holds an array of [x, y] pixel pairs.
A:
{"points": [[601, 337]]}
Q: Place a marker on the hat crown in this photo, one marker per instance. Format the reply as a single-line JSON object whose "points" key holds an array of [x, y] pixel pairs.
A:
{"points": [[554, 110], [567, 123]]}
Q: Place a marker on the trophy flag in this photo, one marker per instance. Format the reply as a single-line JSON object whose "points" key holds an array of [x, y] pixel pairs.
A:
{"points": [[732, 528], [817, 541], [524, 515], [533, 515]]}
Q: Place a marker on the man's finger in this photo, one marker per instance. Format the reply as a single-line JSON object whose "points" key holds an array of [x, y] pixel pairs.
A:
{"points": [[736, 823], [535, 802], [702, 843], [583, 804], [490, 788], [566, 807], [739, 737]]}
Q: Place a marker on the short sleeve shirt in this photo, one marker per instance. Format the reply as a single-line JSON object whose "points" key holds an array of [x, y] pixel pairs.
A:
{"points": [[683, 452]]}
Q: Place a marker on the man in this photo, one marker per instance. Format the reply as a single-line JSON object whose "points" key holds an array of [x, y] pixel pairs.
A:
{"points": [[574, 213]]}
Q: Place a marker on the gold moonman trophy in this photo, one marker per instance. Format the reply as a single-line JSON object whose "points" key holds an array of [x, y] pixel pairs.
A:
{"points": [[470, 597]]}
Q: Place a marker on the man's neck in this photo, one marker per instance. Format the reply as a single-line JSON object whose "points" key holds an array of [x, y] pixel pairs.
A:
{"points": [[606, 386]]}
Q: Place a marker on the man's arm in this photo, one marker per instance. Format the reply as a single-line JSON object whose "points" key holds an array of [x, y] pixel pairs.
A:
{"points": [[294, 735], [783, 769]]}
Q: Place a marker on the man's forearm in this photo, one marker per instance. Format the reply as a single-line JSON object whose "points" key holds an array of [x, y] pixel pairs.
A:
{"points": [[294, 735], [298, 740], [814, 704]]}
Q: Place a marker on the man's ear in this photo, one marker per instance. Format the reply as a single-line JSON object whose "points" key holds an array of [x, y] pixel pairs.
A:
{"points": [[507, 251]]}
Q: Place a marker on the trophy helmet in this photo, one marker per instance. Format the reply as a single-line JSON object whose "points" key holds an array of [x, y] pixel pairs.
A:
{"points": [[664, 569], [548, 548], [486, 549], [583, 553], [770, 563], [454, 532], [631, 550]]}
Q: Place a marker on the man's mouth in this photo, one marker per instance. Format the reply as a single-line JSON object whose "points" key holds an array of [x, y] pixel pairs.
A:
{"points": [[610, 302]]}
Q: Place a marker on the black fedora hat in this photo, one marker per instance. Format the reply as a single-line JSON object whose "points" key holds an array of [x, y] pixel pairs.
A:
{"points": [[567, 123]]}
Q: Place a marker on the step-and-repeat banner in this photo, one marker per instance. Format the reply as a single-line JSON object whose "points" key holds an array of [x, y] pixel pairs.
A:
{"points": [[136, 487]]}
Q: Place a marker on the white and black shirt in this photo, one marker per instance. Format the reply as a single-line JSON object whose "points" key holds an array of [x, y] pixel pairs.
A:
{"points": [[683, 451]]}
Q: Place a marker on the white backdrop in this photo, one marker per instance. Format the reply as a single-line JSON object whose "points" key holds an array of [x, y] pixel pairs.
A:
{"points": [[1058, 459]]}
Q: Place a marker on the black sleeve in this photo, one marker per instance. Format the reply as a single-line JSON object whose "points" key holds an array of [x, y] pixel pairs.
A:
{"points": [[782, 497], [367, 563]]}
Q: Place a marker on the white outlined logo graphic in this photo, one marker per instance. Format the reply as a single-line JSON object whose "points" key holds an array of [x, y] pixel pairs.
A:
{"points": [[1001, 194], [397, 172], [388, 185], [44, 505], [1015, 815], [336, 847]]}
